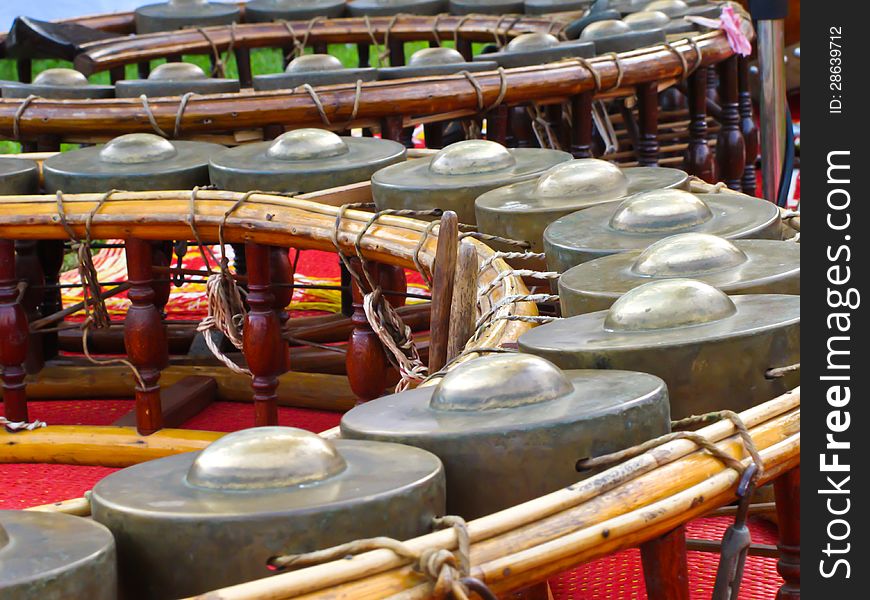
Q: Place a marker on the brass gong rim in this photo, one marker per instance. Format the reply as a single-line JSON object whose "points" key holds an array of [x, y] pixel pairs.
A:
{"points": [[769, 263]]}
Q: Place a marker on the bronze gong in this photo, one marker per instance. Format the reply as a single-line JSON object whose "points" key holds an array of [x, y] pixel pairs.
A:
{"points": [[52, 556], [645, 218], [131, 162], [511, 427], [714, 351], [175, 79], [612, 35], [457, 174], [277, 10], [486, 7], [58, 84], [302, 160], [522, 211], [181, 14], [388, 8], [537, 48], [434, 61], [735, 267], [315, 70], [194, 522], [18, 176]]}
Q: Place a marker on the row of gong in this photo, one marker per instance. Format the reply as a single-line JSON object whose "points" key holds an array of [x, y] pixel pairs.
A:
{"points": [[193, 522], [178, 14], [604, 36]]}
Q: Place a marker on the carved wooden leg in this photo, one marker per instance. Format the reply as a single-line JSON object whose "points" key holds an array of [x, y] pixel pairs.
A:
{"points": [[747, 127], [243, 63], [161, 256], [51, 257], [463, 46], [581, 130], [145, 335], [665, 570], [397, 53], [28, 269], [116, 74], [433, 133], [730, 150], [648, 114], [263, 345], [698, 159], [365, 360], [25, 70], [363, 52], [14, 330], [788, 512], [497, 125], [521, 126]]}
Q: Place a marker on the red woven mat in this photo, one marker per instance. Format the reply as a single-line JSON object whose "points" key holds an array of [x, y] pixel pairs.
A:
{"points": [[616, 577]]}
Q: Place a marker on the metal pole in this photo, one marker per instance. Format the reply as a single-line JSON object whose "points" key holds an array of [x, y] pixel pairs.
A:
{"points": [[771, 61]]}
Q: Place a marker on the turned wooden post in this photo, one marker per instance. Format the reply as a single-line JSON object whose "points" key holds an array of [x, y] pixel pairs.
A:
{"points": [[713, 85], [144, 69], [433, 133], [397, 53], [521, 127], [145, 335], [14, 330], [648, 114], [365, 360], [243, 64], [730, 150], [161, 256], [463, 46], [28, 269], [787, 489], [320, 48], [665, 569], [263, 345], [51, 257], [391, 129], [442, 289], [25, 70], [747, 126], [698, 159], [116, 74], [581, 129], [281, 274], [363, 53], [497, 125]]}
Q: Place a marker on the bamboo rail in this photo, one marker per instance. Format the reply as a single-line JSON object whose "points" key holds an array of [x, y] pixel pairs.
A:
{"points": [[618, 508], [103, 55], [378, 100]]}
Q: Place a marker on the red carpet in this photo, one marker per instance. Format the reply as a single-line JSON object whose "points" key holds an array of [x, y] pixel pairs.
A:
{"points": [[617, 577]]}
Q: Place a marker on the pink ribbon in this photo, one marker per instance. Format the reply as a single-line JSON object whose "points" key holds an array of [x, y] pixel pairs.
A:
{"points": [[730, 22]]}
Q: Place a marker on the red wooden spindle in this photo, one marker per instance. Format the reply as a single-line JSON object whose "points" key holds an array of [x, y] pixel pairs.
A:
{"points": [[28, 269], [698, 159], [648, 113], [365, 361], [747, 127], [145, 335], [730, 149], [15, 332], [665, 569], [264, 348], [581, 130]]}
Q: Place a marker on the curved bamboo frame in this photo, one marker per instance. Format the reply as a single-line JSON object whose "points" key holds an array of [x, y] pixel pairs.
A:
{"points": [[543, 84], [265, 219]]}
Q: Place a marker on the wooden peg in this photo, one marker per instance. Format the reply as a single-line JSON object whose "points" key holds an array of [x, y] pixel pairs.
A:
{"points": [[665, 569], [787, 489], [463, 310], [14, 330]]}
